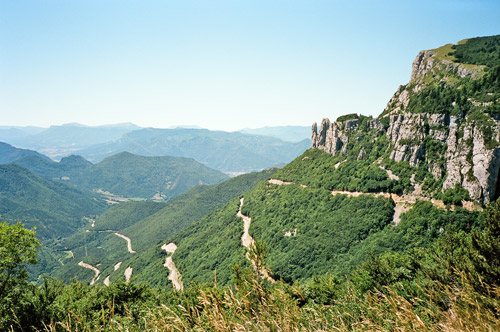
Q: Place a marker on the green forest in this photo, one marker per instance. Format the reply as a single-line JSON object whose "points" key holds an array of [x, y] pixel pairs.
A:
{"points": [[341, 242], [451, 284]]}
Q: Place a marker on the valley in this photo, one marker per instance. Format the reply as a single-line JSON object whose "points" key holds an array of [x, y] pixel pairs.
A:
{"points": [[373, 219]]}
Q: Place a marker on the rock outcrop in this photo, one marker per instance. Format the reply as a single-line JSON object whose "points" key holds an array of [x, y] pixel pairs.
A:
{"points": [[465, 156]]}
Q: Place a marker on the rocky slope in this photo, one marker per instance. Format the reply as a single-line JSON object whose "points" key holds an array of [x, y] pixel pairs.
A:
{"points": [[444, 124]]}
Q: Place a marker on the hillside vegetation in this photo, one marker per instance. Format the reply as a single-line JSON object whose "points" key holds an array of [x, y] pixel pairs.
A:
{"points": [[227, 152], [9, 153], [130, 175], [56, 209], [328, 233], [451, 286], [127, 175], [386, 224], [148, 225]]}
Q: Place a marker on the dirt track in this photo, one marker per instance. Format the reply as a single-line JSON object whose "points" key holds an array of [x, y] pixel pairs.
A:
{"points": [[247, 241], [174, 275], [403, 202], [96, 271], [129, 242]]}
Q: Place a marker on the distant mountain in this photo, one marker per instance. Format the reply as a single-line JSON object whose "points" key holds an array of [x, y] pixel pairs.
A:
{"points": [[66, 169], [58, 141], [228, 152], [285, 133], [127, 175], [147, 224], [9, 153], [7, 133], [130, 175], [368, 186], [54, 208]]}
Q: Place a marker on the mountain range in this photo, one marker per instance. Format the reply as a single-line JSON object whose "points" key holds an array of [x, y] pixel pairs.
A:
{"points": [[120, 176], [286, 133], [393, 219], [368, 186], [227, 152], [234, 153]]}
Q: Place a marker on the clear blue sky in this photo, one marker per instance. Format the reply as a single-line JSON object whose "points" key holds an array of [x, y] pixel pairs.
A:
{"points": [[217, 64]]}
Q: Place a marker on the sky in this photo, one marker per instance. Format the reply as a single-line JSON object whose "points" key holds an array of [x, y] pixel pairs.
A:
{"points": [[222, 65]]}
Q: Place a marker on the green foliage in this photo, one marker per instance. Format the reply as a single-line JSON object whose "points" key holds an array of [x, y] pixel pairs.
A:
{"points": [[328, 228], [68, 168], [342, 264], [385, 121], [441, 99], [9, 153], [123, 215], [333, 234], [416, 289], [17, 250], [455, 196], [479, 51], [149, 225], [346, 117], [448, 93], [317, 169], [55, 208], [127, 175], [487, 246], [209, 244], [137, 176], [485, 124]]}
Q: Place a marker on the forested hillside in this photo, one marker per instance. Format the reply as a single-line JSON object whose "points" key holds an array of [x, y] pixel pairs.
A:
{"points": [[386, 224], [127, 176], [56, 209], [147, 224], [308, 229], [9, 153]]}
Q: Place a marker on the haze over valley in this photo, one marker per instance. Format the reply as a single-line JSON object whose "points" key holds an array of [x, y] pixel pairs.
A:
{"points": [[264, 166]]}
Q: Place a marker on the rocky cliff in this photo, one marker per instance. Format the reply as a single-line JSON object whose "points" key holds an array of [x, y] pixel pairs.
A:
{"points": [[445, 124]]}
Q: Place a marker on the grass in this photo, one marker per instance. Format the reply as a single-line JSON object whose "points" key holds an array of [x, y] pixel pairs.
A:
{"points": [[443, 53], [254, 305]]}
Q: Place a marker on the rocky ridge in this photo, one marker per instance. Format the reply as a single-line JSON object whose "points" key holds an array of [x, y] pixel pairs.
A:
{"points": [[456, 148]]}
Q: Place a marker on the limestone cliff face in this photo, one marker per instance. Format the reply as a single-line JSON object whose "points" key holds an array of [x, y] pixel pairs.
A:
{"points": [[427, 62], [467, 160], [466, 156]]}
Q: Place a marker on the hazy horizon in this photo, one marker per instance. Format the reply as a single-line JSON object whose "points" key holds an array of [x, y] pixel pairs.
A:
{"points": [[181, 126], [220, 65]]}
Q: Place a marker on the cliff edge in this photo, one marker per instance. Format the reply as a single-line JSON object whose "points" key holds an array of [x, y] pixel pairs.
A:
{"points": [[444, 125]]}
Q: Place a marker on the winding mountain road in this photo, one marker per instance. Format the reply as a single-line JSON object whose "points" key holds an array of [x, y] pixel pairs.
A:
{"points": [[247, 241], [90, 267], [174, 275], [129, 242], [403, 203], [128, 274]]}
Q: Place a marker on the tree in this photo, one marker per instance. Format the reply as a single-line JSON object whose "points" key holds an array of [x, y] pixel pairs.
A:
{"points": [[17, 249], [487, 245]]}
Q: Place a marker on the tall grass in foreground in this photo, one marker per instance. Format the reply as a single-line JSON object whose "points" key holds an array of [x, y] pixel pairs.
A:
{"points": [[255, 305]]}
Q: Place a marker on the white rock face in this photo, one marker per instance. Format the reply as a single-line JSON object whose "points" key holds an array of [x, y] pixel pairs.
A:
{"points": [[469, 160]]}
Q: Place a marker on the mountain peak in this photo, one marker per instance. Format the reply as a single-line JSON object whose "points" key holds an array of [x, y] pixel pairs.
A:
{"points": [[443, 127]]}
